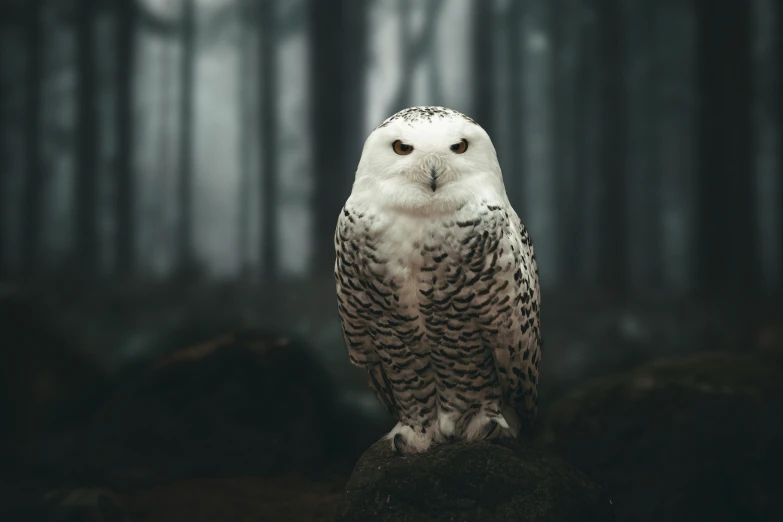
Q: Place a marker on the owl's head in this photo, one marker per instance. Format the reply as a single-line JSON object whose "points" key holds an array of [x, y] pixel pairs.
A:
{"points": [[428, 160]]}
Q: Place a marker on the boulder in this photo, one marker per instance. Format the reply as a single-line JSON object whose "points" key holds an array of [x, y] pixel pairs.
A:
{"points": [[244, 402], [48, 388], [83, 504], [683, 439], [238, 499], [487, 481]]}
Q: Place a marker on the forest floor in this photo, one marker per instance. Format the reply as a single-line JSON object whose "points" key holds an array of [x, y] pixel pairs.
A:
{"points": [[142, 402]]}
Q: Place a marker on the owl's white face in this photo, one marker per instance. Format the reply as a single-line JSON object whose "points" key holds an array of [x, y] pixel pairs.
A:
{"points": [[428, 160]]}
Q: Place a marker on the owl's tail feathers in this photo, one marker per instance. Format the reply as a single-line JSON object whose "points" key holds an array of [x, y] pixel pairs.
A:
{"points": [[382, 387]]}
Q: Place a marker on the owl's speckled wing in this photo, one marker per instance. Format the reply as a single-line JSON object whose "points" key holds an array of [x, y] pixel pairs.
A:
{"points": [[517, 343], [358, 302]]}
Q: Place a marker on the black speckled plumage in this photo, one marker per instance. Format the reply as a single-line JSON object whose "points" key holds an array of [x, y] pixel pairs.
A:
{"points": [[426, 113]]}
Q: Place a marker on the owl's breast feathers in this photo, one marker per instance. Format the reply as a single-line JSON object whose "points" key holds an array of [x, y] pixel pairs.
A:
{"points": [[455, 298]]}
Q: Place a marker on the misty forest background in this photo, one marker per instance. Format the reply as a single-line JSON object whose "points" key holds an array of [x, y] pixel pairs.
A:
{"points": [[173, 168]]}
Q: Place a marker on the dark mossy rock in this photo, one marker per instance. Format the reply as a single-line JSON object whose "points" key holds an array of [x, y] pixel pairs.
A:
{"points": [[245, 402], [84, 505], [237, 499], [47, 386], [696, 438], [487, 481]]}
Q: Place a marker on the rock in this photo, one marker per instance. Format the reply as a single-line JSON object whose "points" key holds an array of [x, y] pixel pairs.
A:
{"points": [[487, 481], [245, 402], [237, 499], [696, 438], [85, 505], [47, 387]]}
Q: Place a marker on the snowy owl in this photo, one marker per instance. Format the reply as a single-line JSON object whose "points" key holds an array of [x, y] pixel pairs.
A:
{"points": [[437, 283]]}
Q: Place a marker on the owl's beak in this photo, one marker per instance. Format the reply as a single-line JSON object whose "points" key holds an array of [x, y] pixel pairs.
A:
{"points": [[433, 178]]}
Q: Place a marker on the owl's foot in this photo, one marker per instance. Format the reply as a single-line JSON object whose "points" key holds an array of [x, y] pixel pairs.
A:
{"points": [[485, 427], [406, 440]]}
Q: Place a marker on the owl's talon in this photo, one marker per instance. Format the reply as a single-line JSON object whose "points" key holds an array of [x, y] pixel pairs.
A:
{"points": [[493, 426], [406, 439], [397, 443]]}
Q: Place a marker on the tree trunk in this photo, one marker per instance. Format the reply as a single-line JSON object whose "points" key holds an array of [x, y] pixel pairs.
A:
{"points": [[587, 136], [163, 237], [33, 185], [185, 253], [86, 226], [245, 145], [328, 69], [337, 36], [538, 205], [613, 266], [765, 146], [675, 142], [4, 166], [270, 233], [515, 109], [483, 65], [727, 228], [125, 187], [434, 65], [644, 209], [779, 98], [566, 61], [355, 51]]}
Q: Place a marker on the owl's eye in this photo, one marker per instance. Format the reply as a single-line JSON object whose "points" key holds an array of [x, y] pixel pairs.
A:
{"points": [[460, 147], [403, 149]]}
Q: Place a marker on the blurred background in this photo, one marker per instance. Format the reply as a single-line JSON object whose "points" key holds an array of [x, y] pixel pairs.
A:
{"points": [[171, 172]]}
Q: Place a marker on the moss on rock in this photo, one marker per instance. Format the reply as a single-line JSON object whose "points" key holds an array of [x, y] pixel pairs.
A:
{"points": [[488, 481]]}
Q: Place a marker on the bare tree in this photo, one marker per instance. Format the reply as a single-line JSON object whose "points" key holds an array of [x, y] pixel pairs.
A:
{"points": [[267, 44], [676, 141], [4, 168], [408, 63], [778, 14], [537, 209], [434, 66], [86, 204], [245, 89], [515, 109], [31, 213], [338, 45], [483, 64], [586, 136], [413, 48], [355, 52], [727, 234], [566, 31], [185, 253], [125, 187], [644, 210], [613, 267]]}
